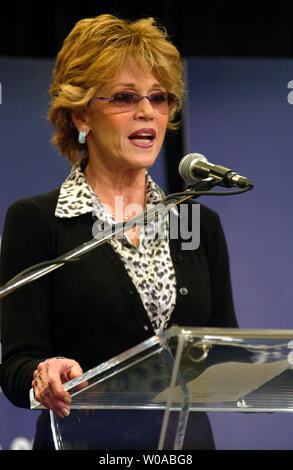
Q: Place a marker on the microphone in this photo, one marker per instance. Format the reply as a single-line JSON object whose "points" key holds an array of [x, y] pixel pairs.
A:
{"points": [[195, 167]]}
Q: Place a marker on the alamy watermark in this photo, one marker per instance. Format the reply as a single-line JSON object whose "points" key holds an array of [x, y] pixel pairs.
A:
{"points": [[290, 94], [180, 222]]}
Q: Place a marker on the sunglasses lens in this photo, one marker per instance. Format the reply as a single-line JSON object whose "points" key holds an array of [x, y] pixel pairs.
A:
{"points": [[163, 102], [160, 102], [124, 100]]}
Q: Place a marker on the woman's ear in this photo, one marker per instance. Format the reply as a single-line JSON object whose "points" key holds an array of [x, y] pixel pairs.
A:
{"points": [[80, 122]]}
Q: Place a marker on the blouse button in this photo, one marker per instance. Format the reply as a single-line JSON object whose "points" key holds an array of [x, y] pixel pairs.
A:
{"points": [[177, 258], [183, 290]]}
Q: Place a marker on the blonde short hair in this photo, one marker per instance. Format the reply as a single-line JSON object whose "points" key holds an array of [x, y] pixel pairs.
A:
{"points": [[94, 51]]}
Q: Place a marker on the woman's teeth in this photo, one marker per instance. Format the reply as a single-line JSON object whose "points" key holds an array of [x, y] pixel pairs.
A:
{"points": [[142, 138]]}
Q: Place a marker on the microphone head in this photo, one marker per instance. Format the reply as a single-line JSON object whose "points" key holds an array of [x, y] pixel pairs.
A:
{"points": [[186, 164]]}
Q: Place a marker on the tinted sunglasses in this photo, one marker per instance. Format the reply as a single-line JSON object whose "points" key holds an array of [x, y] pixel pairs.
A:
{"points": [[126, 101]]}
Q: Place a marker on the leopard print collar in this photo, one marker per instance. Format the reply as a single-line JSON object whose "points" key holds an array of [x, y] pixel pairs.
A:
{"points": [[76, 196]]}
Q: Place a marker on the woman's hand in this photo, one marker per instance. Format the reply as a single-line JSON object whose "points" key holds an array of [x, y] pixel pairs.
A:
{"points": [[48, 380]]}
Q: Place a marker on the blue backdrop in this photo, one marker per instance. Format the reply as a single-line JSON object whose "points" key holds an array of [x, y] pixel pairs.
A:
{"points": [[238, 115]]}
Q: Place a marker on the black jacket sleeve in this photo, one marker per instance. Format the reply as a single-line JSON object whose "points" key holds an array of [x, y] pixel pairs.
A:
{"points": [[25, 313]]}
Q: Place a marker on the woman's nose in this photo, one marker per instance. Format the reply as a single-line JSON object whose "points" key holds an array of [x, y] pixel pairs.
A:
{"points": [[145, 109]]}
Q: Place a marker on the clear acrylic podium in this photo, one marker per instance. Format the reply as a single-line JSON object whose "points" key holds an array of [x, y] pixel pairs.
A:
{"points": [[182, 371]]}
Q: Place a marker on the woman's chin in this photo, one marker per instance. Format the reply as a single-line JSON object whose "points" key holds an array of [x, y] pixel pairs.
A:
{"points": [[141, 162]]}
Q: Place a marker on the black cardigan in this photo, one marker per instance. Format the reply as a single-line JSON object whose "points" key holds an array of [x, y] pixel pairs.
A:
{"points": [[89, 310]]}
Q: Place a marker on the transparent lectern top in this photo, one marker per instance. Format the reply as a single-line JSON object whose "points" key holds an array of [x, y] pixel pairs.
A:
{"points": [[211, 369]]}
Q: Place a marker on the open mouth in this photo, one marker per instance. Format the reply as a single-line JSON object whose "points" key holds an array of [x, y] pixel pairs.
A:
{"points": [[143, 137]]}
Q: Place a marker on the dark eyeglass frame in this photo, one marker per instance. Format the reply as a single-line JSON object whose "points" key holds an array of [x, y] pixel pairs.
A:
{"points": [[163, 106]]}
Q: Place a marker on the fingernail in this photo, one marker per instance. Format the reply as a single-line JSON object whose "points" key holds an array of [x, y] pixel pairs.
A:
{"points": [[65, 412], [67, 400]]}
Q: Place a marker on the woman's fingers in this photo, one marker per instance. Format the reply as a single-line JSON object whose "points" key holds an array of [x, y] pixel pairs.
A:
{"points": [[76, 371], [48, 383]]}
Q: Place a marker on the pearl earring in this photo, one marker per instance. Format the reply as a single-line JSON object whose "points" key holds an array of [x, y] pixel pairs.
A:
{"points": [[81, 137]]}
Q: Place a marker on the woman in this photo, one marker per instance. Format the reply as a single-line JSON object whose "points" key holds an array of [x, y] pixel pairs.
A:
{"points": [[116, 89]]}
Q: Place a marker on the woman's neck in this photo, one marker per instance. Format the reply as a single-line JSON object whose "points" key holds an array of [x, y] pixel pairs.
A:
{"points": [[122, 192]]}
